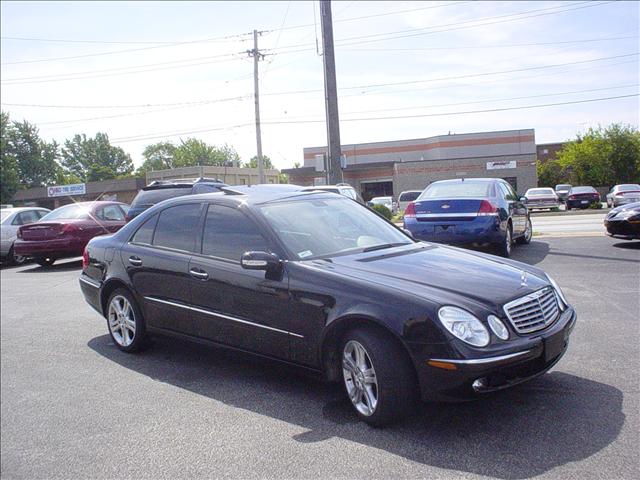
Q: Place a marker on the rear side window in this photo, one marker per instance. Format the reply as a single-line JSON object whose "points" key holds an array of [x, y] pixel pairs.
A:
{"points": [[228, 233], [111, 213], [147, 198], [30, 216], [144, 235], [177, 226], [408, 196]]}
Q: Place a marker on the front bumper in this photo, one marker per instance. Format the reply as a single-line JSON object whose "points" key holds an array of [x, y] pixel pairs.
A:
{"points": [[622, 229], [528, 357]]}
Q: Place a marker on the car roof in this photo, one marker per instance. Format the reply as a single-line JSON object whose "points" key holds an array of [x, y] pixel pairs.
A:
{"points": [[22, 209]]}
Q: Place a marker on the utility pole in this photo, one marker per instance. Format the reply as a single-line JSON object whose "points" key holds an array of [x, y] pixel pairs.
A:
{"points": [[257, 56], [330, 94]]}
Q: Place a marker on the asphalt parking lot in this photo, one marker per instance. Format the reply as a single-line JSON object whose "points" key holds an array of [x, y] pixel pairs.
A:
{"points": [[73, 406]]}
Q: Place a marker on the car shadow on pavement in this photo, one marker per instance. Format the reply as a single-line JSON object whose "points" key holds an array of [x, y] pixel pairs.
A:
{"points": [[532, 254], [632, 245], [56, 267], [514, 434]]}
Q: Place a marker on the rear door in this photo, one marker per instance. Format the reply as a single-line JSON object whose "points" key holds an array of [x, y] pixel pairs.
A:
{"points": [[233, 306], [157, 263]]}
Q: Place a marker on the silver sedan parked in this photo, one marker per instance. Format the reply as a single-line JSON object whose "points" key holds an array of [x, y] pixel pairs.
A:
{"points": [[623, 195], [10, 220]]}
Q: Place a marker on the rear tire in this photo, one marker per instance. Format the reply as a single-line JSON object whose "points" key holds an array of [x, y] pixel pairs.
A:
{"points": [[16, 259], [125, 322], [378, 377], [525, 239], [45, 261], [504, 247]]}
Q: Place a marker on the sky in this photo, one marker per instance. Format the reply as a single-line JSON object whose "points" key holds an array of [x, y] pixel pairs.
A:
{"points": [[144, 72]]}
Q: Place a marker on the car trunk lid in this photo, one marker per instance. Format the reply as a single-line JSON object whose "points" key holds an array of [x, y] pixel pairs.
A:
{"points": [[442, 209]]}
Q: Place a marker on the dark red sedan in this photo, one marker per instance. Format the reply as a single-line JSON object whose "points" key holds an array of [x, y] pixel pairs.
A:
{"points": [[64, 232]]}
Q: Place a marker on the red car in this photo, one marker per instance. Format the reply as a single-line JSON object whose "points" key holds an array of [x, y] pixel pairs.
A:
{"points": [[65, 231]]}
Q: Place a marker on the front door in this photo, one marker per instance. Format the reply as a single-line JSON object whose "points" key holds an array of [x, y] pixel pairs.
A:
{"points": [[231, 305]]}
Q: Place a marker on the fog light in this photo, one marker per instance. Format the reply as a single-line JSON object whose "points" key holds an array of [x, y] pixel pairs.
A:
{"points": [[479, 384], [498, 327]]}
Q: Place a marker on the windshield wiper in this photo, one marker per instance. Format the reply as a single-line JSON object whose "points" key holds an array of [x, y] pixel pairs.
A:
{"points": [[383, 246]]}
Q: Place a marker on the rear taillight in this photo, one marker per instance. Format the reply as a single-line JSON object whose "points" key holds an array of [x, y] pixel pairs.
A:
{"points": [[85, 258], [487, 208], [19, 233], [410, 211], [571, 197]]}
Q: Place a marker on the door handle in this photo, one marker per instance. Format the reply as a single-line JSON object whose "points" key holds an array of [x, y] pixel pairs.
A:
{"points": [[133, 260], [199, 274]]}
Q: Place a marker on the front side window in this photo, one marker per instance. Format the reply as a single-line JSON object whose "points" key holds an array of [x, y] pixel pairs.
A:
{"points": [[228, 233], [177, 227], [313, 228]]}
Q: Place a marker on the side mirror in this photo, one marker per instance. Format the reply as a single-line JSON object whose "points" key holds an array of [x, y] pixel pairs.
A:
{"points": [[260, 261]]}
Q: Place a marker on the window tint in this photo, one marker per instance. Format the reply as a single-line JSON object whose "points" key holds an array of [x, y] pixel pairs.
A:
{"points": [[144, 234], [228, 233], [41, 213], [111, 213], [177, 226], [147, 198], [205, 188]]}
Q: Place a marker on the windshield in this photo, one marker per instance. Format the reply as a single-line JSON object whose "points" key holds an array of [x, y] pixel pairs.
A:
{"points": [[313, 228], [583, 190], [73, 211], [455, 190], [628, 188], [540, 191]]}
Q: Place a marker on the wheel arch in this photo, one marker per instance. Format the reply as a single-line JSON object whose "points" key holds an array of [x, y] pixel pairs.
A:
{"points": [[329, 354], [108, 288]]}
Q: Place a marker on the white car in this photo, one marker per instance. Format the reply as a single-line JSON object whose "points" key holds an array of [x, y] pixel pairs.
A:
{"points": [[386, 201], [10, 220], [623, 195], [406, 197]]}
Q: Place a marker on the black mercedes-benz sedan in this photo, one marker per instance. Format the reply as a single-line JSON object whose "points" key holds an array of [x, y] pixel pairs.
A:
{"points": [[624, 222], [320, 281]]}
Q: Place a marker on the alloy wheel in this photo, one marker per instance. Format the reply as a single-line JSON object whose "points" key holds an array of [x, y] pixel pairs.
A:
{"points": [[122, 321], [507, 240], [360, 378], [528, 232]]}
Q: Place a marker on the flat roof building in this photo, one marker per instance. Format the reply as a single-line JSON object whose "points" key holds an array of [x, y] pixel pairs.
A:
{"points": [[388, 168]]}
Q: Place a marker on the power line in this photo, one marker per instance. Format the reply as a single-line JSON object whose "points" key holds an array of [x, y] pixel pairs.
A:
{"points": [[522, 107], [115, 42]]}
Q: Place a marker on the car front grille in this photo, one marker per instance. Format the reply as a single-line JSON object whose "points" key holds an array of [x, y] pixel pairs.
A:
{"points": [[533, 312]]}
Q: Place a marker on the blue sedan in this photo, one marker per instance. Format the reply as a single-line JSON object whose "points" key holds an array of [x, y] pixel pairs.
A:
{"points": [[479, 211]]}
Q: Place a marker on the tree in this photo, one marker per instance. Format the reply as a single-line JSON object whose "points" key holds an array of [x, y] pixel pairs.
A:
{"points": [[603, 156], [158, 156], [551, 173], [253, 163], [36, 159], [193, 152], [95, 159], [9, 180]]}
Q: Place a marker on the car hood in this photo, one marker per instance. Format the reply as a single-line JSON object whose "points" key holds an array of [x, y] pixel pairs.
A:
{"points": [[440, 273]]}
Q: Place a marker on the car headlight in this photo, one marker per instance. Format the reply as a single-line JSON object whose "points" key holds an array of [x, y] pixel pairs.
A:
{"points": [[464, 326], [556, 287]]}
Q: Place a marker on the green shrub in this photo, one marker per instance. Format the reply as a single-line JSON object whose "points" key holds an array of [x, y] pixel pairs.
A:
{"points": [[397, 218], [382, 210], [596, 206]]}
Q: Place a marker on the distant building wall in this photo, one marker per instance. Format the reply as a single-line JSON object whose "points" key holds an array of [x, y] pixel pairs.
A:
{"points": [[548, 151], [229, 175]]}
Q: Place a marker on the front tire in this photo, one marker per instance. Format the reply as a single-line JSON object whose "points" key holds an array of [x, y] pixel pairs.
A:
{"points": [[504, 247], [378, 377], [45, 261], [126, 325]]}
